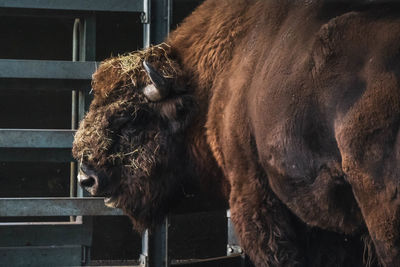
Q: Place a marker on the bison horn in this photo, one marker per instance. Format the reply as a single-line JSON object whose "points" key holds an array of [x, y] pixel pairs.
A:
{"points": [[160, 86]]}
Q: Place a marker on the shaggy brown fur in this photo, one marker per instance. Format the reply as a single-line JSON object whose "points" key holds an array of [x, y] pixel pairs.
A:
{"points": [[124, 135], [296, 104]]}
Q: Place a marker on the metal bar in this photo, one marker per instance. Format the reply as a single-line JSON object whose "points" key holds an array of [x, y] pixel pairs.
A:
{"points": [[144, 256], [233, 246], [160, 20], [44, 234], [74, 108], [146, 18], [87, 39], [158, 245], [33, 138], [46, 69], [155, 246], [75, 40], [41, 256], [87, 52], [115, 263], [87, 5], [62, 206], [232, 259]]}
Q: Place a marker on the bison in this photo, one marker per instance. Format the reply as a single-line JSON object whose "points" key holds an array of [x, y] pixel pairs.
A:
{"points": [[289, 109]]}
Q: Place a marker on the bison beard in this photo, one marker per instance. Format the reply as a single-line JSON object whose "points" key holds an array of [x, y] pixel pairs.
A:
{"points": [[294, 105]]}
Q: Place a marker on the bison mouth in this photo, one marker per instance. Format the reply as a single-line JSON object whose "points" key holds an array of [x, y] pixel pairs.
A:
{"points": [[96, 183], [111, 201]]}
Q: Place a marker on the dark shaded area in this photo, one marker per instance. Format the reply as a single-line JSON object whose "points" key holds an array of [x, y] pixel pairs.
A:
{"points": [[35, 109], [36, 38], [114, 239], [117, 34], [181, 9], [18, 181], [201, 235]]}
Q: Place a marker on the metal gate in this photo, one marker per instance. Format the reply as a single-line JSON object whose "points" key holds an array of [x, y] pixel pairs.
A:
{"points": [[52, 243]]}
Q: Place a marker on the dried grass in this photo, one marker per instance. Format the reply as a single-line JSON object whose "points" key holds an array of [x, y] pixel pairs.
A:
{"points": [[117, 85], [129, 67]]}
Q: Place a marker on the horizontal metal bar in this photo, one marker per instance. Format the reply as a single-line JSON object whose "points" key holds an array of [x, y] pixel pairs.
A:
{"points": [[41, 256], [50, 224], [33, 138], [46, 69], [89, 206], [42, 235], [115, 263], [223, 259], [87, 5]]}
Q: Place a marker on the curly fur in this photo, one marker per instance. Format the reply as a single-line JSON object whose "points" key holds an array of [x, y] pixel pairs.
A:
{"points": [[290, 107], [130, 139]]}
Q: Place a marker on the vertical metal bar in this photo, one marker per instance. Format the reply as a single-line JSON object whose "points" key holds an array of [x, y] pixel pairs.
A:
{"points": [[146, 19], [144, 256], [233, 246], [88, 39], [74, 115], [155, 246], [158, 245], [160, 20], [87, 44], [87, 52], [156, 24]]}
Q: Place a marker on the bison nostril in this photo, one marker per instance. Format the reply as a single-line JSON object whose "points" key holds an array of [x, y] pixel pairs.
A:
{"points": [[89, 179], [88, 182]]}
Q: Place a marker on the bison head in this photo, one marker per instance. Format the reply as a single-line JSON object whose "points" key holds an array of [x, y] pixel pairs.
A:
{"points": [[131, 142]]}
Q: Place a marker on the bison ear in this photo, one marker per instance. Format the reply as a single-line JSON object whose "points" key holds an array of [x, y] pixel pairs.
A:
{"points": [[160, 87]]}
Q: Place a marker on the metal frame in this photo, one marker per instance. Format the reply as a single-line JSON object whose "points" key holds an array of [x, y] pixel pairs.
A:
{"points": [[42, 234], [17, 144], [68, 255], [60, 206], [46, 69], [87, 5], [33, 138], [155, 246]]}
